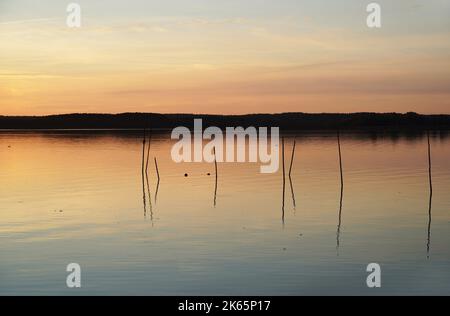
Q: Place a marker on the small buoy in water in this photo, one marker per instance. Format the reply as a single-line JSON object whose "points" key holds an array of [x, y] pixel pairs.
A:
{"points": [[185, 174]]}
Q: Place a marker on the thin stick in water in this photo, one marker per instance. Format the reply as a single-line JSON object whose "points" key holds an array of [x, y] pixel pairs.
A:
{"points": [[284, 177], [157, 170], [340, 163], [215, 167], [338, 232], [144, 198], [146, 177], [429, 164], [148, 152], [292, 159], [157, 185], [290, 178], [431, 197], [149, 197], [143, 152]]}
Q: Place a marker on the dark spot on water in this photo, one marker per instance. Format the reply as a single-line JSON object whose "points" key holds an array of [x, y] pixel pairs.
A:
{"points": [[208, 174], [284, 249], [185, 174]]}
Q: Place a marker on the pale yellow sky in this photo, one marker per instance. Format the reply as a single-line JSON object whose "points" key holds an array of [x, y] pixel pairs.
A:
{"points": [[216, 61]]}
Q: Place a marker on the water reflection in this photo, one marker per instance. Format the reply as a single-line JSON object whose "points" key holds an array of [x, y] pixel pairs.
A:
{"points": [[215, 183], [338, 232], [157, 184], [149, 197], [431, 196], [290, 175], [284, 180], [144, 172], [102, 203], [144, 198]]}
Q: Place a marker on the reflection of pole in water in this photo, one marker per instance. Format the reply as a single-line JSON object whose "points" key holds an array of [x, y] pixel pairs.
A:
{"points": [[431, 196], [142, 173], [146, 177], [148, 189], [290, 171], [338, 232], [144, 199], [157, 185], [429, 226], [156, 167], [149, 197], [284, 177], [215, 167]]}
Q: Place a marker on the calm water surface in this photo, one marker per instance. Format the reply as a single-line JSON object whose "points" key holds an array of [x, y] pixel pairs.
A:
{"points": [[78, 197]]}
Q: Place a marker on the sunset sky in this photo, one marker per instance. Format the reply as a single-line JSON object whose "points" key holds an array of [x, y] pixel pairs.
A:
{"points": [[224, 56]]}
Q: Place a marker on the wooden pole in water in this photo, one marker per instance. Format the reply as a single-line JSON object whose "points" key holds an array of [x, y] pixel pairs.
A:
{"points": [[292, 159], [290, 171], [143, 153], [338, 232], [157, 185], [429, 163], [431, 196], [156, 192], [284, 176], [148, 152], [340, 163], [157, 170], [142, 173], [215, 167], [146, 176]]}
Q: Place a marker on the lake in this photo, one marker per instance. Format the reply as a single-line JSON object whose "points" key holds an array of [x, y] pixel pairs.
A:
{"points": [[78, 197]]}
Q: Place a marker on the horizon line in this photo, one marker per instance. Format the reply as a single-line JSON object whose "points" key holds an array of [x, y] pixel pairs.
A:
{"points": [[216, 114]]}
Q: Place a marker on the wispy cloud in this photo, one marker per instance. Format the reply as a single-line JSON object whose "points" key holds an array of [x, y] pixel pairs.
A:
{"points": [[30, 21]]}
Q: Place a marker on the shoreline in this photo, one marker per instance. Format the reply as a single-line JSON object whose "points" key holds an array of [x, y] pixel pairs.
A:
{"points": [[285, 121]]}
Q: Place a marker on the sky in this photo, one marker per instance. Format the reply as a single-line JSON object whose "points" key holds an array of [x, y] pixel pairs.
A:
{"points": [[224, 57]]}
